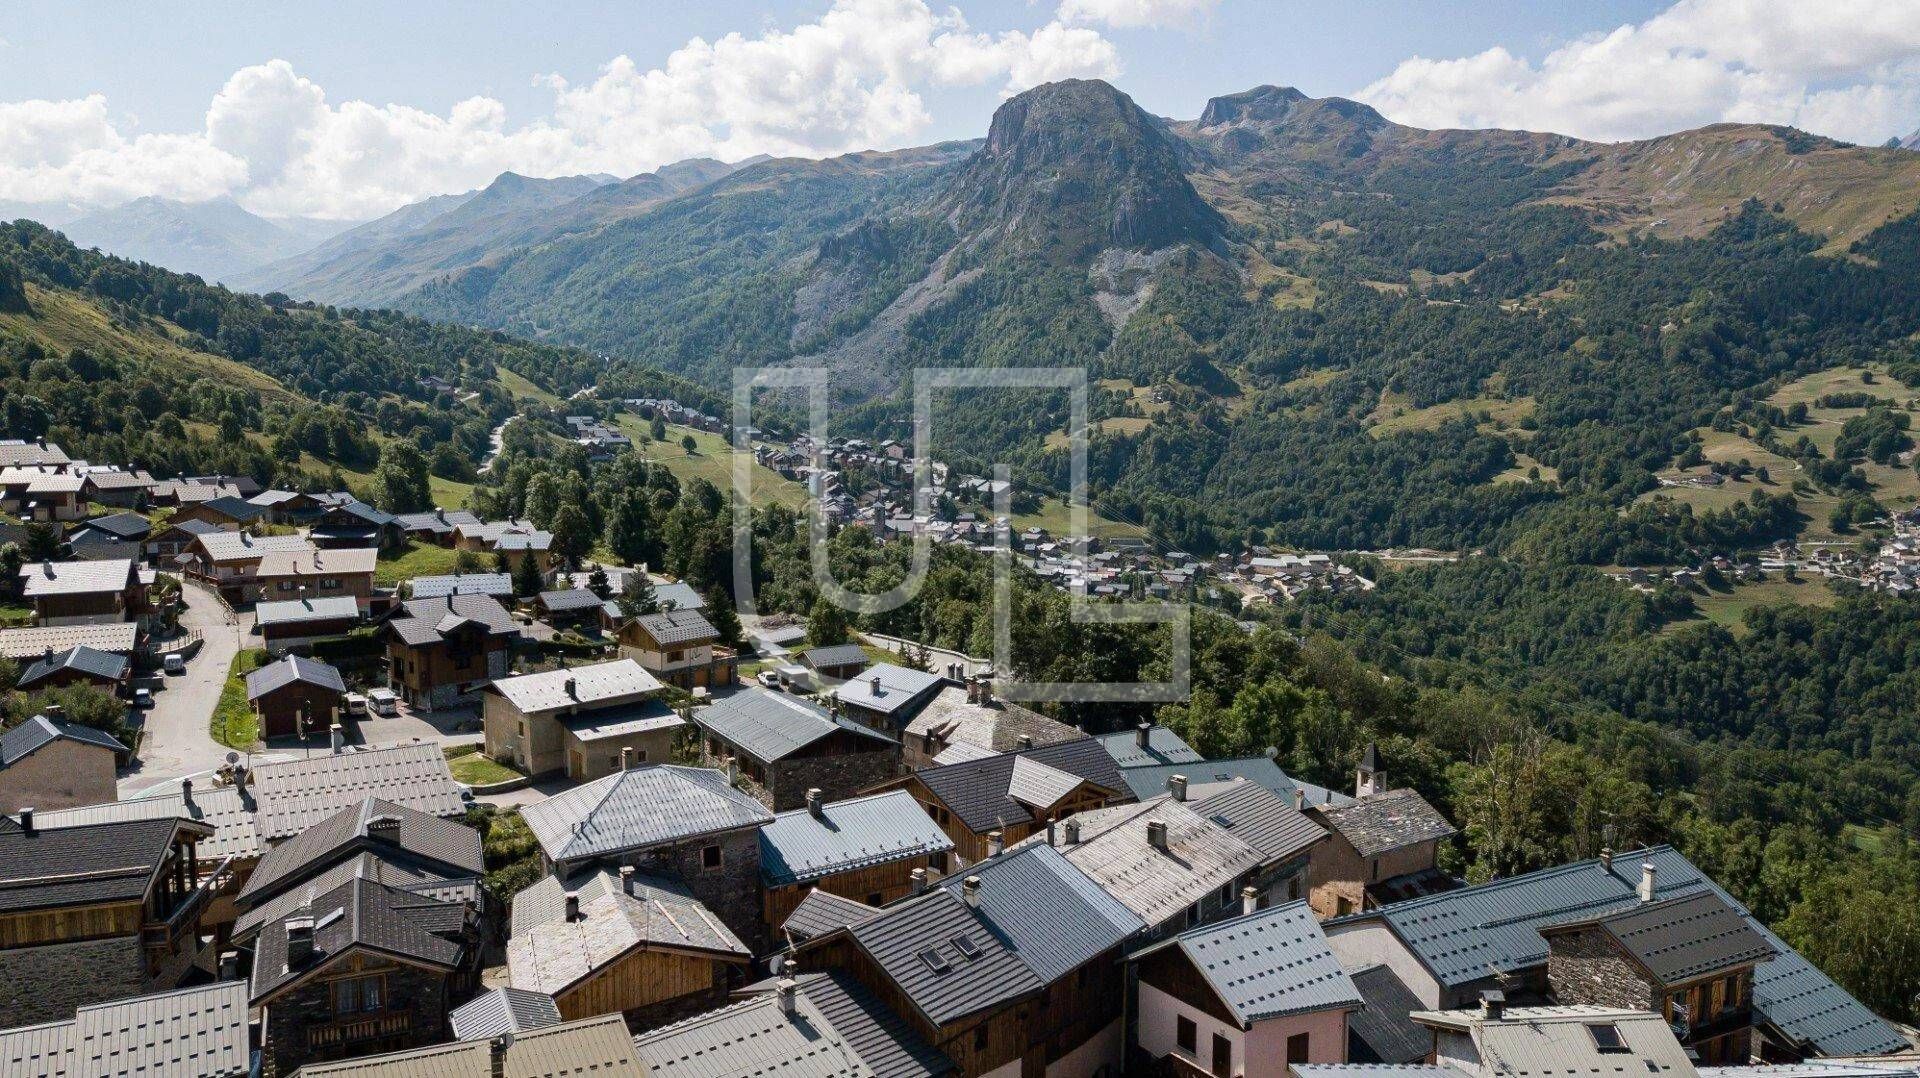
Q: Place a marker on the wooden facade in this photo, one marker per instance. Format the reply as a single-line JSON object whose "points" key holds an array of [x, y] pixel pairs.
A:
{"points": [[281, 710], [460, 659], [638, 983], [973, 847], [876, 885]]}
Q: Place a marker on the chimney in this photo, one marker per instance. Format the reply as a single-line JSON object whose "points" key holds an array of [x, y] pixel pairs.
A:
{"points": [[47, 655], [384, 829], [1646, 881], [1157, 835], [970, 891], [1249, 900], [1025, 741], [873, 683], [1177, 786], [733, 771], [626, 758], [1493, 1005], [336, 739], [55, 712], [229, 965], [816, 803], [1071, 832], [497, 1054], [1299, 799], [626, 879], [1140, 735], [26, 819], [299, 941], [919, 881], [1370, 778], [1050, 833], [784, 993], [996, 843], [186, 791], [1606, 858], [573, 907], [573, 688]]}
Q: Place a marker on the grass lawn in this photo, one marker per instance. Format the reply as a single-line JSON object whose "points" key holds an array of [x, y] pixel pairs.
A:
{"points": [[475, 768], [711, 460], [234, 723], [520, 387], [15, 613], [1395, 416], [411, 560], [1729, 608], [1054, 517], [1522, 464]]}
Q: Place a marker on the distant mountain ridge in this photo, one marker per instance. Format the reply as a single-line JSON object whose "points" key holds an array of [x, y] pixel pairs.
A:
{"points": [[217, 240]]}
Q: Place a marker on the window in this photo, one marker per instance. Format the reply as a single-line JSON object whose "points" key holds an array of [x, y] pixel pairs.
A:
{"points": [[675, 656], [1606, 1038], [1222, 1057], [709, 857], [1226, 894], [1298, 1048], [357, 995], [980, 1037], [1186, 1034]]}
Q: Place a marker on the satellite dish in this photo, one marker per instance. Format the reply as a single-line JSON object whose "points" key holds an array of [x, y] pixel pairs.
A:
{"points": [[233, 757], [1273, 752]]}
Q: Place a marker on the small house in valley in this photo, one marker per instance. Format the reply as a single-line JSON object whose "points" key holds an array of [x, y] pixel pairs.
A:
{"points": [[442, 650], [680, 647], [296, 697], [48, 763], [781, 746], [870, 849], [585, 722]]}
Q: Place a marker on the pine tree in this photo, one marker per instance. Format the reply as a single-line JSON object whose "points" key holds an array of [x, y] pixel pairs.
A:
{"points": [[526, 576], [721, 615], [598, 583], [638, 597]]}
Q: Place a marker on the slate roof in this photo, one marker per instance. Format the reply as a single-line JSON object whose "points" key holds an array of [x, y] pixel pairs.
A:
{"points": [[838, 1030], [278, 675], [1388, 821], [1163, 747], [770, 726], [914, 944], [45, 578], [979, 791], [361, 913], [98, 863], [1460, 935], [835, 655], [33, 641], [234, 508], [293, 795], [410, 874], [900, 688], [636, 809], [503, 1010], [1202, 777], [601, 682], [1269, 963], [40, 731], [569, 599], [424, 621], [548, 953], [996, 727], [1053, 915], [22, 452], [677, 627], [497, 585], [120, 525], [1679, 939], [437, 521], [507, 535], [316, 562], [821, 912], [222, 546], [598, 1047], [301, 611], [1260, 818], [1200, 858], [84, 660], [449, 845], [798, 847], [682, 596], [1382, 1025], [187, 1033], [227, 810]]}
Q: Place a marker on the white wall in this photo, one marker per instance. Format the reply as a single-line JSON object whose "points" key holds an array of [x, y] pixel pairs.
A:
{"points": [[1157, 1030], [1371, 943]]}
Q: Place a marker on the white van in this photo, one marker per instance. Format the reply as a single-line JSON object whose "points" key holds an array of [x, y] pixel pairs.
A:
{"points": [[384, 702]]}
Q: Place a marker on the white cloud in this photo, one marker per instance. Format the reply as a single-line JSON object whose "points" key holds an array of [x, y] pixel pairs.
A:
{"points": [[850, 80], [1844, 68], [1133, 14]]}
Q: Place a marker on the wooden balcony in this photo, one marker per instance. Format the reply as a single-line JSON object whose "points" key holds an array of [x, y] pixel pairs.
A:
{"points": [[372, 1027]]}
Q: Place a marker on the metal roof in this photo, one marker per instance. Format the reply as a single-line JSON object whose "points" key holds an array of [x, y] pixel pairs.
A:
{"points": [[1269, 963], [602, 682], [38, 732], [222, 546], [799, 846], [821, 912], [322, 563], [1203, 776], [1387, 821], [979, 791], [450, 845], [919, 944], [570, 599], [224, 808], [296, 611], [1679, 939], [188, 1033], [1537, 1042], [600, 1047], [433, 587], [549, 953], [121, 525], [503, 1010], [682, 596], [1381, 1026], [836, 1030], [636, 809], [293, 795], [898, 688], [1377, 1070], [769, 725], [1053, 915], [1260, 818], [1038, 786], [1163, 747], [276, 676], [622, 720], [1461, 935], [44, 578], [677, 627], [32, 642], [835, 655], [1157, 885]]}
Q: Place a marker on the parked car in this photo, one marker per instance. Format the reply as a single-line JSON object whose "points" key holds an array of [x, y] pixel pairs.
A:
{"points": [[175, 663], [143, 698], [769, 678], [383, 702], [356, 704]]}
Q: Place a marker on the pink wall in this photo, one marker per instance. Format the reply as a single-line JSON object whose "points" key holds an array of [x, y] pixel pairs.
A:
{"points": [[1258, 1053]]}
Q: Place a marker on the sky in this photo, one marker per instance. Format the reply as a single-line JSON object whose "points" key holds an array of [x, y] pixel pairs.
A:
{"points": [[348, 110]]}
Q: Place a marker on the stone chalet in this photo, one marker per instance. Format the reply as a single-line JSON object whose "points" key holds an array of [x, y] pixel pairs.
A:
{"points": [[585, 722], [442, 651], [972, 721], [680, 647], [1385, 847], [47, 763], [84, 592], [987, 804], [780, 747]]}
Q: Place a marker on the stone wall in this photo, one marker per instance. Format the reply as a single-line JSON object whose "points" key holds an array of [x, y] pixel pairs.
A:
{"points": [[47, 983], [837, 777], [731, 891], [291, 1020], [667, 1011], [1584, 966]]}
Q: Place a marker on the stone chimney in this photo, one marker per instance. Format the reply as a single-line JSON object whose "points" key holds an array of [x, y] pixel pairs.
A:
{"points": [[626, 758], [1141, 734], [1050, 841], [573, 688], [1157, 835], [186, 791], [384, 829], [1070, 831], [1177, 786], [26, 819], [873, 684], [299, 941], [1249, 900], [919, 881], [996, 843], [1647, 890], [970, 891], [1299, 799], [47, 655], [784, 992], [626, 879], [1025, 741], [1493, 1005], [229, 965], [1606, 858], [733, 771], [573, 907], [816, 803], [497, 1054]]}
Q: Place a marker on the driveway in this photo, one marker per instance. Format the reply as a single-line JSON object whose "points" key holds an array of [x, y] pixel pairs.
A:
{"points": [[177, 744]]}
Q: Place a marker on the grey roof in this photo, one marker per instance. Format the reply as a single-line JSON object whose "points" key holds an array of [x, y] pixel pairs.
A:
{"points": [[32, 642], [1158, 884], [677, 626], [299, 611], [1679, 939], [276, 676], [433, 587], [1410, 1069], [821, 912], [1387, 821], [997, 726], [570, 599], [1053, 916], [229, 811], [602, 682], [622, 720], [1555, 1041], [1262, 819], [682, 596], [798, 846], [549, 953], [78, 577], [1461, 935], [770, 726], [900, 688], [107, 862], [22, 452], [238, 509], [362, 913], [503, 1010], [437, 521], [837, 1030], [1151, 781], [449, 846], [1269, 963], [424, 621], [1163, 747], [597, 1047], [187, 1033], [239, 546], [979, 791], [914, 944], [120, 525], [636, 809], [1381, 1028], [293, 795], [835, 655], [38, 732], [413, 875]]}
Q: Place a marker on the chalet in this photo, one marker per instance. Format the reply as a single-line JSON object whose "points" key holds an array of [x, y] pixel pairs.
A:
{"points": [[226, 512], [509, 540], [42, 493], [585, 722], [85, 592], [1207, 777], [296, 697], [436, 527], [32, 453], [1249, 996], [569, 606], [871, 849], [442, 651], [298, 623], [1447, 948], [782, 747], [494, 585], [173, 539], [1384, 847], [183, 492], [1689, 959], [186, 1033], [600, 1047], [1015, 965], [503, 1010], [362, 967], [119, 488], [837, 661], [680, 647], [117, 902], [290, 507], [116, 535], [78, 666], [353, 524], [813, 1024], [1148, 745], [987, 804], [710, 841], [314, 573], [230, 560], [30, 643], [885, 697], [612, 940], [971, 719], [49, 763]]}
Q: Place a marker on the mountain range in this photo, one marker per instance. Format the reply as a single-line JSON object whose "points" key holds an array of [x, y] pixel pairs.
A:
{"points": [[216, 239]]}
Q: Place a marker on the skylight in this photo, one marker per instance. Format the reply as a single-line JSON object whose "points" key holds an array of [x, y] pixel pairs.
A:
{"points": [[1606, 1037]]}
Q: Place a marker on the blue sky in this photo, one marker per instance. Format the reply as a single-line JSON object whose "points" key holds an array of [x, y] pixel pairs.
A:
{"points": [[351, 109]]}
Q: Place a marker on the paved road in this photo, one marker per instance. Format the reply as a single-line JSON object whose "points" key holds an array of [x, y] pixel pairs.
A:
{"points": [[177, 744]]}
